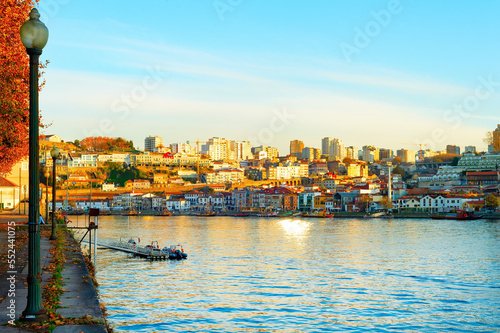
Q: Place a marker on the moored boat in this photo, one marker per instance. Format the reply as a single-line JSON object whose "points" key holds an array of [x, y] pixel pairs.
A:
{"points": [[206, 213], [131, 213], [268, 215], [175, 252], [164, 213], [374, 215], [319, 214], [459, 215]]}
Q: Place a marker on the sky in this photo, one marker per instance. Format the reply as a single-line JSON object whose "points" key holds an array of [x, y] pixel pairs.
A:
{"points": [[390, 73]]}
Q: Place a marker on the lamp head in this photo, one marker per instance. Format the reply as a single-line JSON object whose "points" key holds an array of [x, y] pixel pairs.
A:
{"points": [[54, 152], [34, 34]]}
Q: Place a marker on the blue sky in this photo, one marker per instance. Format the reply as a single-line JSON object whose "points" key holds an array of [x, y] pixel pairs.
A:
{"points": [[382, 73]]}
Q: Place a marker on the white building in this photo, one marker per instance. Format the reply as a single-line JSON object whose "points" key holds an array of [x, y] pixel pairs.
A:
{"points": [[177, 204], [224, 176], [183, 148], [337, 149], [83, 161], [441, 203], [352, 152], [297, 170], [115, 158], [9, 194], [129, 200], [108, 187], [217, 149], [211, 201], [242, 150]]}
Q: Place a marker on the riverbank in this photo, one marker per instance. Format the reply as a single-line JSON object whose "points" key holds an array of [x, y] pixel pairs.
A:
{"points": [[69, 295], [394, 215]]}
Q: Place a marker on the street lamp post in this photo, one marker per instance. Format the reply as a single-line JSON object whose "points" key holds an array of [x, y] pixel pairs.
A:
{"points": [[47, 174], [34, 35], [54, 152]]}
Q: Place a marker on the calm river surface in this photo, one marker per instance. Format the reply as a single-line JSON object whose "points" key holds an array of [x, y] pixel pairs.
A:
{"points": [[304, 275]]}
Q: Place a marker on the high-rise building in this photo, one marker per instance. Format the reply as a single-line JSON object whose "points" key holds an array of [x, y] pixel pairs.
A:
{"points": [[326, 143], [452, 149], [296, 147], [351, 152], [337, 149], [183, 148], [217, 149], [406, 155], [309, 153], [242, 149], [370, 154], [385, 154], [271, 152], [152, 142]]}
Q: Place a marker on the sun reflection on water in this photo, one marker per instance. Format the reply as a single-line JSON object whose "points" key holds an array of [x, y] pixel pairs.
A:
{"points": [[296, 228]]}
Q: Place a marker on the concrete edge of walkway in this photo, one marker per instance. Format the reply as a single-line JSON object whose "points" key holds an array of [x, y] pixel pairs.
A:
{"points": [[79, 299]]}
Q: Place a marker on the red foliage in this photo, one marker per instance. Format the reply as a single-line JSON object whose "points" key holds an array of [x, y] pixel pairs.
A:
{"points": [[14, 84], [103, 143]]}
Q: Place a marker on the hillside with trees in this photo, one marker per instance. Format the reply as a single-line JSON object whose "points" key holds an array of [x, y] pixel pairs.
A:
{"points": [[105, 144]]}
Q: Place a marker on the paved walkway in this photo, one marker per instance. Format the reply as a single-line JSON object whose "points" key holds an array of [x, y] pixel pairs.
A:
{"points": [[79, 299]]}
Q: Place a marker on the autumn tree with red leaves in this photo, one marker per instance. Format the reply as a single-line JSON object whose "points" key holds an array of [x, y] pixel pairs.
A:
{"points": [[14, 84], [103, 143]]}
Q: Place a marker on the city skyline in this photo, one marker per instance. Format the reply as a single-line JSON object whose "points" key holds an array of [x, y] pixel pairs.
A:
{"points": [[269, 73]]}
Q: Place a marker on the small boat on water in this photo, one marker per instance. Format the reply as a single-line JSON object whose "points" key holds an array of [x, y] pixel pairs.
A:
{"points": [[374, 215], [131, 213], [320, 214], [459, 215], [284, 214], [206, 213], [165, 212], [268, 215], [240, 215], [175, 252]]}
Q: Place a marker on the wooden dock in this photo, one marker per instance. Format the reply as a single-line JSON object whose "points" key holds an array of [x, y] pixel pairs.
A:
{"points": [[132, 247]]}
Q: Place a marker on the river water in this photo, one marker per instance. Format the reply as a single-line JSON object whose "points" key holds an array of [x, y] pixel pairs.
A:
{"points": [[304, 275]]}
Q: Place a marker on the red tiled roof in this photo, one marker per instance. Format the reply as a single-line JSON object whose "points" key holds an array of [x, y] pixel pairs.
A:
{"points": [[482, 173], [6, 183], [418, 190]]}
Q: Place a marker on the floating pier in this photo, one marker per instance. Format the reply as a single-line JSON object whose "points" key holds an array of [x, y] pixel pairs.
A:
{"points": [[151, 252]]}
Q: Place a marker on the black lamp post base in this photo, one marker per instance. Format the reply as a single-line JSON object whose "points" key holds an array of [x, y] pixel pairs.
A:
{"points": [[39, 317]]}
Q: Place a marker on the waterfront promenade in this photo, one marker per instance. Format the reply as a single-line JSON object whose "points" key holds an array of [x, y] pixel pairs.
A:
{"points": [[79, 308]]}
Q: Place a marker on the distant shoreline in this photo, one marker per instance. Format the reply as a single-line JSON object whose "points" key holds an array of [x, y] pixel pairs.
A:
{"points": [[413, 215]]}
